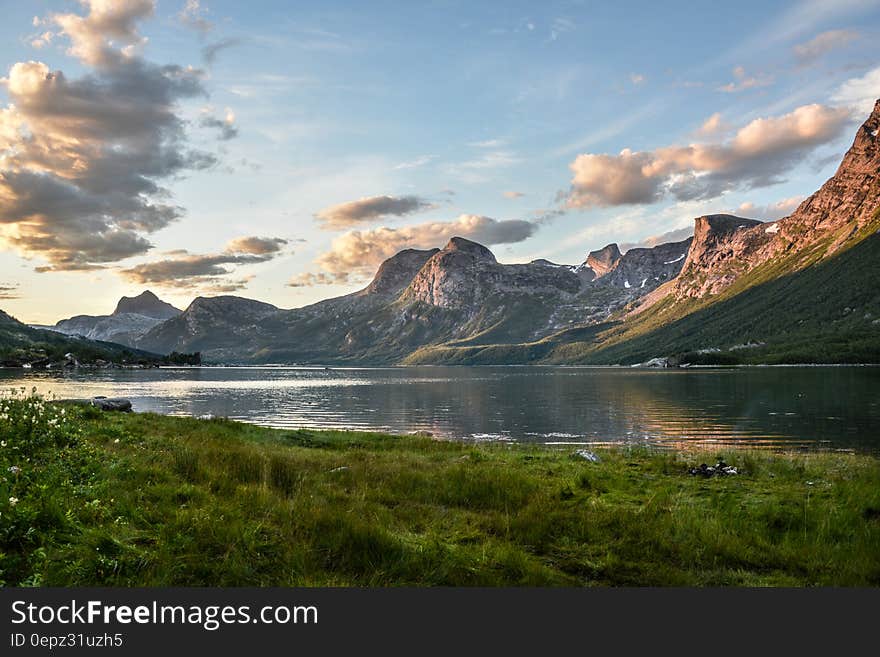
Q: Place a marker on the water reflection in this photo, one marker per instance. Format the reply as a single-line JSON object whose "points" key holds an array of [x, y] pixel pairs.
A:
{"points": [[832, 407]]}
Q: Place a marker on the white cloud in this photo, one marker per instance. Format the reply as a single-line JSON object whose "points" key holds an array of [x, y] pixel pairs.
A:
{"points": [[743, 81], [824, 43], [757, 155], [770, 212], [860, 93], [194, 16], [712, 126], [414, 164]]}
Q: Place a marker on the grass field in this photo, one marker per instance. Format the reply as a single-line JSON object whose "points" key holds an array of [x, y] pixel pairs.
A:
{"points": [[92, 498]]}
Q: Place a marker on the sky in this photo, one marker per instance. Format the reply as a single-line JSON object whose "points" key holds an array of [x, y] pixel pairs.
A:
{"points": [[281, 152]]}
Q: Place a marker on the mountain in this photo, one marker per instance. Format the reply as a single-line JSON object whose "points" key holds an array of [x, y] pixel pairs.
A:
{"points": [[209, 324], [133, 317], [146, 304], [20, 344], [801, 289], [457, 295], [646, 268]]}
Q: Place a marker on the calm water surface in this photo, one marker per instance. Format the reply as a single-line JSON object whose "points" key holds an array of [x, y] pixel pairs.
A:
{"points": [[828, 407]]}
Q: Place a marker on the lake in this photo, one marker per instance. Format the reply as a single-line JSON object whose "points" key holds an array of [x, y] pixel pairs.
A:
{"points": [[784, 407]]}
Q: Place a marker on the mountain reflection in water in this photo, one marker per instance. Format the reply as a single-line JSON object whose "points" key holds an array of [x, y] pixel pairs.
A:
{"points": [[828, 407]]}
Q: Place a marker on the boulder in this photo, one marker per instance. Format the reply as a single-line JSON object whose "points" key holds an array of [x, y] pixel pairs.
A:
{"points": [[112, 404]]}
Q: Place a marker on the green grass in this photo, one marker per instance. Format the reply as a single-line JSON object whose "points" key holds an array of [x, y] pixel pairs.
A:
{"points": [[123, 500]]}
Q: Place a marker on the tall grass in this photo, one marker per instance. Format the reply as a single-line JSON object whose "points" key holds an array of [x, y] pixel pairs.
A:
{"points": [[148, 500]]}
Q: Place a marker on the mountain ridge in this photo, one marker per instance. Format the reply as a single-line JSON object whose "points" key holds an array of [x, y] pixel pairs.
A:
{"points": [[459, 304]]}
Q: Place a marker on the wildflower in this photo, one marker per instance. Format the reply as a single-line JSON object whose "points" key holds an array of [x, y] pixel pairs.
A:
{"points": [[2, 443], [14, 469], [13, 501]]}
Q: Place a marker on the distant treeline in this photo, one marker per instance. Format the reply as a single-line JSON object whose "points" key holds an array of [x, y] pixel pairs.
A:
{"points": [[177, 358]]}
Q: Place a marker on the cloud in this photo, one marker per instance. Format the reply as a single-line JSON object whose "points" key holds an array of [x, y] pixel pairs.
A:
{"points": [[488, 143], [212, 50], [226, 125], [193, 16], [39, 41], [414, 164], [743, 81], [514, 194], [824, 43], [191, 270], [184, 268], [476, 169], [770, 212], [677, 235], [860, 93], [95, 39], [256, 245], [82, 160], [9, 292], [226, 286], [637, 78], [756, 156], [546, 216], [712, 126], [310, 279], [560, 26], [352, 213], [359, 253]]}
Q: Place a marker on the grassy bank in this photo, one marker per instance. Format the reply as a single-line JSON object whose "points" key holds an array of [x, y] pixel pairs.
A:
{"points": [[111, 499]]}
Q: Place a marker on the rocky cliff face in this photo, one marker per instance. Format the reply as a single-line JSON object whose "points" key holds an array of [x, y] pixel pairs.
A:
{"points": [[852, 195], [457, 276], [397, 272], [723, 247], [604, 260], [641, 270], [465, 273], [726, 248]]}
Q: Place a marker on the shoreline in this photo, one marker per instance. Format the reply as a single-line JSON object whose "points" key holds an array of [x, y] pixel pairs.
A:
{"points": [[454, 366], [169, 501]]}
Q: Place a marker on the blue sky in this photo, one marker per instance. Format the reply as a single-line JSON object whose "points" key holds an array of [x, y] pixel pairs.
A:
{"points": [[339, 132]]}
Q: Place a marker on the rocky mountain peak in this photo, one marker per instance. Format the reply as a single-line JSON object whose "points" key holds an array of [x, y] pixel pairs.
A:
{"points": [[229, 304], [454, 276], [866, 144], [726, 247], [850, 195], [603, 260], [397, 271], [146, 304], [462, 245], [642, 269]]}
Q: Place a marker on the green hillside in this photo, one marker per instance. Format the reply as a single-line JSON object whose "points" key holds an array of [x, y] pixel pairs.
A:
{"points": [[21, 344]]}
